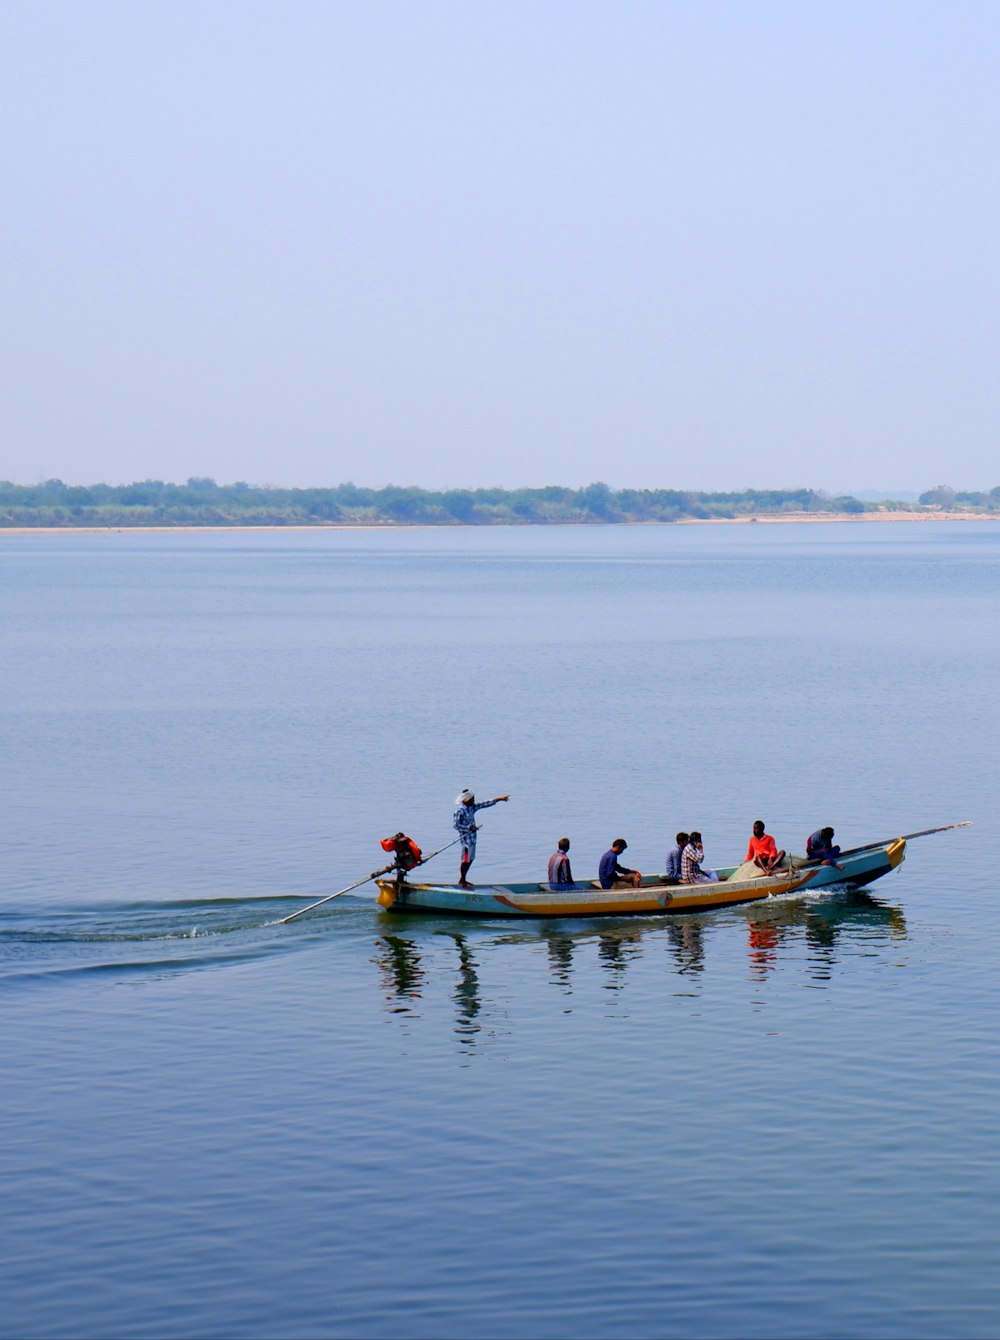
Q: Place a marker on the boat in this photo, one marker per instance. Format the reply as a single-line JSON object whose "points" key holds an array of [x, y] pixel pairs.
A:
{"points": [[653, 897]]}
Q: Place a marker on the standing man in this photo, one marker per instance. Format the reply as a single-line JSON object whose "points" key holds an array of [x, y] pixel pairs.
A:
{"points": [[560, 874], [609, 870], [466, 828]]}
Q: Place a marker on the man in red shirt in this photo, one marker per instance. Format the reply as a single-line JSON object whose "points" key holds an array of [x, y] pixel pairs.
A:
{"points": [[763, 850]]}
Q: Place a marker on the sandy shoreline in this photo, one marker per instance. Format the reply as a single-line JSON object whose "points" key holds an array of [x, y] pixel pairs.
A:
{"points": [[787, 518]]}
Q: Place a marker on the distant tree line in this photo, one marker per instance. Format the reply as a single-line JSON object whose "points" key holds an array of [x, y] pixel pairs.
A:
{"points": [[203, 502]]}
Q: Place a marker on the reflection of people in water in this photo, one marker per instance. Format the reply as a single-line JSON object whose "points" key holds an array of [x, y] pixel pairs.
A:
{"points": [[614, 949], [399, 963], [466, 993], [560, 947], [823, 924], [685, 936], [764, 939]]}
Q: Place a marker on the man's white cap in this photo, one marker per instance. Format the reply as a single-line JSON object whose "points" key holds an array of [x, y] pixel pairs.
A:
{"points": [[464, 798]]}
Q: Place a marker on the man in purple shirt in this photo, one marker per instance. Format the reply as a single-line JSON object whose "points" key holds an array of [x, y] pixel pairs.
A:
{"points": [[609, 870], [821, 847]]}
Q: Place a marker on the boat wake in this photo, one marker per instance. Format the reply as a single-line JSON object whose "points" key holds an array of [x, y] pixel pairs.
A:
{"points": [[134, 937]]}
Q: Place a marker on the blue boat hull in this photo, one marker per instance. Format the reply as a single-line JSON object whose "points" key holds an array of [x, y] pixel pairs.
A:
{"points": [[652, 898]]}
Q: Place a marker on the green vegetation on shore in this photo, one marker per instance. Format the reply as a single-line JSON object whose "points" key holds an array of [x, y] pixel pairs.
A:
{"points": [[203, 502]]}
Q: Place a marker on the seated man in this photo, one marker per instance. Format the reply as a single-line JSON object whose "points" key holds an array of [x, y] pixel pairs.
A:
{"points": [[674, 858], [820, 847], [691, 871], [560, 874], [609, 869], [763, 850]]}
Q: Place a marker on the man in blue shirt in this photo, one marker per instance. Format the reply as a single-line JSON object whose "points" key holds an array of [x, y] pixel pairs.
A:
{"points": [[674, 859], [609, 870], [466, 827], [821, 847]]}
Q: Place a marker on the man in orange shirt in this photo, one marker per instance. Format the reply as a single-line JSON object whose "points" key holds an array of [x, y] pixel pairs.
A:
{"points": [[762, 850]]}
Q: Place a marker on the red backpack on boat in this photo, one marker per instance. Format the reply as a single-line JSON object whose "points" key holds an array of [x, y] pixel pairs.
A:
{"points": [[407, 852]]}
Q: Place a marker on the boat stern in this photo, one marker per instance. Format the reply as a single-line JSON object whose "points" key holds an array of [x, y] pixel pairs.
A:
{"points": [[386, 892]]}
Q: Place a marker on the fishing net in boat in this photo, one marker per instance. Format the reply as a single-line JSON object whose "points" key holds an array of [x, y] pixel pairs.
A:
{"points": [[747, 871], [750, 871]]}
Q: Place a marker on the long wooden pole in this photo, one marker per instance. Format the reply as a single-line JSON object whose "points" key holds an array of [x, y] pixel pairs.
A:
{"points": [[374, 875], [330, 896]]}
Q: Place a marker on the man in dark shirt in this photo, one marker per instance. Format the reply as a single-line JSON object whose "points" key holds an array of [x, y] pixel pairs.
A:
{"points": [[820, 847], [609, 869]]}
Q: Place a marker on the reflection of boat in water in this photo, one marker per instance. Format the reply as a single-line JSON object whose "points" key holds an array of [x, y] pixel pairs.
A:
{"points": [[812, 932], [825, 915], [653, 897], [822, 921]]}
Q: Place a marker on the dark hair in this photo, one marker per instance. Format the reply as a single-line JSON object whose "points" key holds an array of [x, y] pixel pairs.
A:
{"points": [[620, 842], [826, 832], [563, 844], [759, 821], [682, 838], [694, 836]]}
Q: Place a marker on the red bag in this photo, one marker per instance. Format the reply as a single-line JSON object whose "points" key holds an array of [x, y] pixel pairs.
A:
{"points": [[407, 852]]}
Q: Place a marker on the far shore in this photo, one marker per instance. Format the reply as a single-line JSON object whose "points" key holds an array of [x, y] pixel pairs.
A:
{"points": [[785, 518]]}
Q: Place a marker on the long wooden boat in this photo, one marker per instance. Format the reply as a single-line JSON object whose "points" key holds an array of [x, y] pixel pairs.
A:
{"points": [[653, 897]]}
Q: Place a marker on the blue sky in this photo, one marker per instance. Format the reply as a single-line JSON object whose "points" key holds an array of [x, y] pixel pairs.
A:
{"points": [[701, 244]]}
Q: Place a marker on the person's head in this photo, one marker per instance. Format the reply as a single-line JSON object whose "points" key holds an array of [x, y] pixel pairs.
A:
{"points": [[464, 797], [619, 845], [682, 839], [826, 834], [563, 844], [758, 828], [695, 838]]}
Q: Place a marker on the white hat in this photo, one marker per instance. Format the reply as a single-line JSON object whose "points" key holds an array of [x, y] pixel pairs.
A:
{"points": [[465, 797]]}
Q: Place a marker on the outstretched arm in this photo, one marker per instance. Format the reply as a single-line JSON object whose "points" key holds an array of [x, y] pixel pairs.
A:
{"points": [[485, 804]]}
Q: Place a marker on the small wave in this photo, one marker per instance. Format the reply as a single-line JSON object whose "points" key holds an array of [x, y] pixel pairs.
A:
{"points": [[179, 919], [129, 968]]}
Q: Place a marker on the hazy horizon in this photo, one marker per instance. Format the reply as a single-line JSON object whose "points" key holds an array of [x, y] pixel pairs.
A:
{"points": [[908, 494], [690, 245]]}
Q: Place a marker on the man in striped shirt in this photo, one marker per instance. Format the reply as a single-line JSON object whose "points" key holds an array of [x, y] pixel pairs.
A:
{"points": [[691, 871], [560, 874], [466, 827]]}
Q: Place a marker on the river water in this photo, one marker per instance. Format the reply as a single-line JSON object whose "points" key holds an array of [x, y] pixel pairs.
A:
{"points": [[774, 1121]]}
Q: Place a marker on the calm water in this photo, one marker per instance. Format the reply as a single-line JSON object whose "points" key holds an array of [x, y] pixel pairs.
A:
{"points": [[777, 1121]]}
